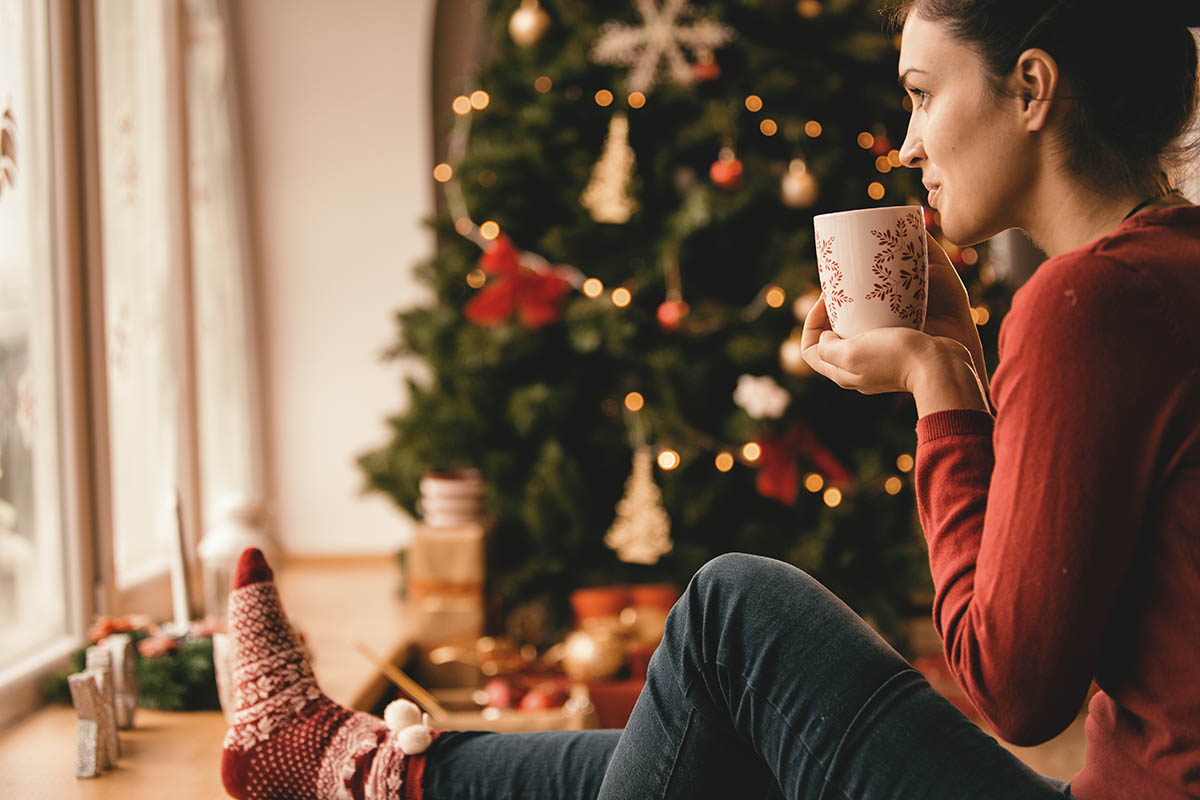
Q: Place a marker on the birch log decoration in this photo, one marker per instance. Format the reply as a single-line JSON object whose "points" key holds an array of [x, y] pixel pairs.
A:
{"points": [[125, 687], [99, 660], [92, 755]]}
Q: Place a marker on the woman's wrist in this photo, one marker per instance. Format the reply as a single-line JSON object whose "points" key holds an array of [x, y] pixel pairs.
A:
{"points": [[947, 380]]}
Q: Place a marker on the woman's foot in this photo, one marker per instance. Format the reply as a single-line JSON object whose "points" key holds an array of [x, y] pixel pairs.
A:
{"points": [[290, 740]]}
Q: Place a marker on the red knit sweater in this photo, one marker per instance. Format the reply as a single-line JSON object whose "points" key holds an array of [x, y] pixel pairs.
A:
{"points": [[1064, 534]]}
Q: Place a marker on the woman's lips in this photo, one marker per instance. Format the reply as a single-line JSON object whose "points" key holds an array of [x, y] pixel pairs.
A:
{"points": [[933, 195]]}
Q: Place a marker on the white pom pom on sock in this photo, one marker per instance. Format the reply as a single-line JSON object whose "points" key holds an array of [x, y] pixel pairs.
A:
{"points": [[413, 732], [414, 739], [400, 714]]}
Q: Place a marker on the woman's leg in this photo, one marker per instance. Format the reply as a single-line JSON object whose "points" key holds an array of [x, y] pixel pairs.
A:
{"points": [[767, 684], [289, 740], [551, 765]]}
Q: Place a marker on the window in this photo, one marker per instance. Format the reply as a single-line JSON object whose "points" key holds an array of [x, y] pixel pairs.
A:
{"points": [[32, 581], [43, 597], [116, 361]]}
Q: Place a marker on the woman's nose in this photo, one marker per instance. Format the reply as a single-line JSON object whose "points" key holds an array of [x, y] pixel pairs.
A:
{"points": [[912, 152]]}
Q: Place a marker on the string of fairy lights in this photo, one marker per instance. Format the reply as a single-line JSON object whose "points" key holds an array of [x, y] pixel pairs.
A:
{"points": [[770, 296]]}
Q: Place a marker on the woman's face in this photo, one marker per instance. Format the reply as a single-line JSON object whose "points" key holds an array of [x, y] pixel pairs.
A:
{"points": [[963, 138]]}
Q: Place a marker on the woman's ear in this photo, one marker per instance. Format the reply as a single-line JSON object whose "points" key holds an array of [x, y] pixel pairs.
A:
{"points": [[1035, 80]]}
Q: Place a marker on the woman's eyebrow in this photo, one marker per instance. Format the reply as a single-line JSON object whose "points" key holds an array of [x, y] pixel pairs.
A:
{"points": [[903, 79]]}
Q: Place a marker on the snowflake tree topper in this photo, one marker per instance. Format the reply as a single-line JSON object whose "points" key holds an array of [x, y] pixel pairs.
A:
{"points": [[661, 37]]}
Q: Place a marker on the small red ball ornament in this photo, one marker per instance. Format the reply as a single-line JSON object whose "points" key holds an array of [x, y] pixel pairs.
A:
{"points": [[535, 700], [726, 171], [706, 70], [882, 146], [671, 314], [501, 693]]}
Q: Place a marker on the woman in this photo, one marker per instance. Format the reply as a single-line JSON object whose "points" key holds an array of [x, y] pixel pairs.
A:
{"points": [[1064, 531]]}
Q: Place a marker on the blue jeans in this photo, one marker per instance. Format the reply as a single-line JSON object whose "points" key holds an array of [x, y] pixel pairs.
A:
{"points": [[765, 686]]}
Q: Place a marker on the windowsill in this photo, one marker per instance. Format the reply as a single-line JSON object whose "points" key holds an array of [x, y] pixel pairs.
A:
{"points": [[333, 602], [19, 692]]}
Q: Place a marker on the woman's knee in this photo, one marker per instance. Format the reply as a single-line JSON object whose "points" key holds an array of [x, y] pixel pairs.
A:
{"points": [[741, 582], [735, 568]]}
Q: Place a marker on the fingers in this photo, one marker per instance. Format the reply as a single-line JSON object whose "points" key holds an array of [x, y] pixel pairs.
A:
{"points": [[824, 350], [819, 346], [815, 323]]}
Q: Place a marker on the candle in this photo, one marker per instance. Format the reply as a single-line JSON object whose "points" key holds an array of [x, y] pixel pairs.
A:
{"points": [[180, 595]]}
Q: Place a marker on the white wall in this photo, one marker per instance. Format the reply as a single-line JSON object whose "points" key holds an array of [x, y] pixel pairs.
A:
{"points": [[335, 97]]}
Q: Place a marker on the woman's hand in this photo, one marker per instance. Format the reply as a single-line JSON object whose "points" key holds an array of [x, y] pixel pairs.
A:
{"points": [[873, 362], [948, 314], [937, 370]]}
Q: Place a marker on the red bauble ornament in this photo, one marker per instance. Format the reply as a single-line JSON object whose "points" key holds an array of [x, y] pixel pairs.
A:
{"points": [[671, 314], [882, 146], [540, 698], [501, 693], [706, 71], [726, 173]]}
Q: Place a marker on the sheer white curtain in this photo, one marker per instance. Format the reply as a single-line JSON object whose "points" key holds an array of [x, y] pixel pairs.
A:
{"points": [[178, 308], [142, 269], [226, 365]]}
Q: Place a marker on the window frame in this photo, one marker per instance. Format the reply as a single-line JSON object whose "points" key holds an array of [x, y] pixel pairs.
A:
{"points": [[19, 682]]}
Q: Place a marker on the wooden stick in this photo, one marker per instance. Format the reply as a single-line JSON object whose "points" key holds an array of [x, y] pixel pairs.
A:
{"points": [[396, 676]]}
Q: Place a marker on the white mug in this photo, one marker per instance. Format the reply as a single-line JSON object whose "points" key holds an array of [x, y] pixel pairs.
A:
{"points": [[873, 265]]}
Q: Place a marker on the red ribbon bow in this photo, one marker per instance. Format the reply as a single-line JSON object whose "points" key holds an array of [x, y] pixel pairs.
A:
{"points": [[536, 295], [778, 474]]}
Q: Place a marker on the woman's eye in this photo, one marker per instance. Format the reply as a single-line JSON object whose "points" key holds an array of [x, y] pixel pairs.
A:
{"points": [[916, 97]]}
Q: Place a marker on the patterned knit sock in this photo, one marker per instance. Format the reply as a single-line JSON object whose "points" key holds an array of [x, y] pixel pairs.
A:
{"points": [[288, 739]]}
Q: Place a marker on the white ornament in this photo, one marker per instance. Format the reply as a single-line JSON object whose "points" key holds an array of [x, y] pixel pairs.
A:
{"points": [[761, 397], [528, 23], [661, 37], [798, 188], [607, 193]]}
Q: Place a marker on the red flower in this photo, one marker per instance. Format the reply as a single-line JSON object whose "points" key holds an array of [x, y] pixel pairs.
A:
{"points": [[103, 626], [536, 295], [157, 645]]}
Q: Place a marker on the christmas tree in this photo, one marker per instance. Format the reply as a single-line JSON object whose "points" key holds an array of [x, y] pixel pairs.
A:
{"points": [[620, 281]]}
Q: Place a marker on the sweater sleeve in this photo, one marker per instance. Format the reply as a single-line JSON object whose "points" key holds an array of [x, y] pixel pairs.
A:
{"points": [[1031, 519]]}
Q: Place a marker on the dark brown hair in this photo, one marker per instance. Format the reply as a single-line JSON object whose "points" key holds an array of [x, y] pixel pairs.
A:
{"points": [[1129, 74]]}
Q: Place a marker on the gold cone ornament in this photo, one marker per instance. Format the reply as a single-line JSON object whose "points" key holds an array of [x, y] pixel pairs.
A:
{"points": [[607, 193], [641, 533]]}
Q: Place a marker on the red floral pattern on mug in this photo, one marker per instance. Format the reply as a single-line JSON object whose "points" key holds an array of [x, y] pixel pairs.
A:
{"points": [[831, 279], [900, 278]]}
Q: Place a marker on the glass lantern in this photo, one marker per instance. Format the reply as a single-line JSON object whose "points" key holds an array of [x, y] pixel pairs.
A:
{"points": [[239, 523]]}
